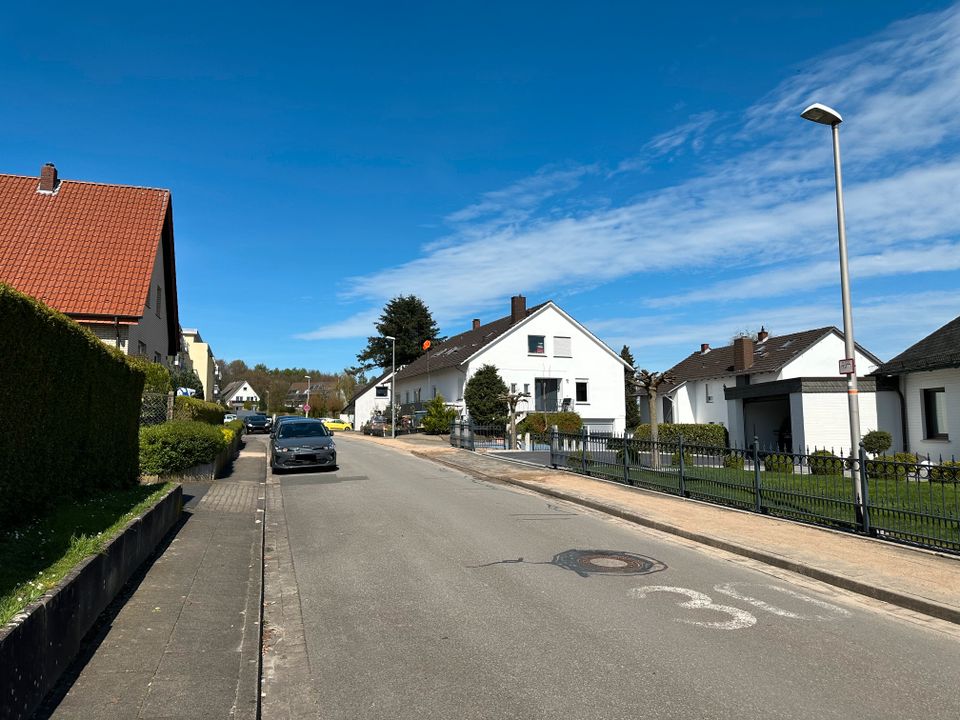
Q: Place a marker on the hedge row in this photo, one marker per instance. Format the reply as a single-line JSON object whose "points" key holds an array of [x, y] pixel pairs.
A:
{"points": [[538, 423], [188, 408], [180, 444], [693, 434], [51, 450]]}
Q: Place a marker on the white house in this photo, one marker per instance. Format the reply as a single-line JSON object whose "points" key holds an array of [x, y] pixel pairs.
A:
{"points": [[237, 393], [541, 351], [784, 390], [928, 377], [372, 399]]}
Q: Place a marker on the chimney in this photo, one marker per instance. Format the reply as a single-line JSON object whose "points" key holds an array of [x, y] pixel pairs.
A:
{"points": [[742, 354], [704, 348], [518, 308], [762, 335], [48, 178], [476, 323]]}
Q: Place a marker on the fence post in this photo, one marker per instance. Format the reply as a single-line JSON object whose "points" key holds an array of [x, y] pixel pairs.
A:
{"points": [[683, 484], [553, 446], [471, 435], [170, 406], [865, 490], [583, 450], [757, 499], [626, 462]]}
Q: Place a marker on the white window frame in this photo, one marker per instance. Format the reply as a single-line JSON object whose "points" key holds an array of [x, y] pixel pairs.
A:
{"points": [[586, 389]]}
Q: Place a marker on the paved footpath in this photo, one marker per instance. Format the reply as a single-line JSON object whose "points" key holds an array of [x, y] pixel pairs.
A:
{"points": [[920, 581], [186, 642]]}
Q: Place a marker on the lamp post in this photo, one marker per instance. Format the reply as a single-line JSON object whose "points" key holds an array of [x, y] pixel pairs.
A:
{"points": [[306, 402], [828, 116], [393, 379]]}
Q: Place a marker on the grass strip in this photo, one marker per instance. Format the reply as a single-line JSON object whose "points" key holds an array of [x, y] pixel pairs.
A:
{"points": [[35, 557]]}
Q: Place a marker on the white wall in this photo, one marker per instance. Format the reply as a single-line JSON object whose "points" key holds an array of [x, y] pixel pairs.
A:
{"points": [[243, 394], [108, 334], [368, 404], [913, 385], [823, 360], [826, 419], [447, 381], [152, 328]]}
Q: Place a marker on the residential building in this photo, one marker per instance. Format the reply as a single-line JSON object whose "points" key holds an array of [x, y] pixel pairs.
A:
{"points": [[237, 393], [541, 351], [201, 360], [786, 391], [927, 374], [370, 400], [300, 392], [101, 254]]}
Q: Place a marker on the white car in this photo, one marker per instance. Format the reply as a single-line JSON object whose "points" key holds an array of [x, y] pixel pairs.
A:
{"points": [[229, 417]]}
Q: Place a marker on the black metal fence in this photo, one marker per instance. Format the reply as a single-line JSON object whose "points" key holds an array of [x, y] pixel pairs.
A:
{"points": [[902, 498]]}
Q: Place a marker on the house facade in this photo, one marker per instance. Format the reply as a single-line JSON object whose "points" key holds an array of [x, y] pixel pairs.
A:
{"points": [[237, 393], [370, 400], [101, 254], [927, 375], [785, 390], [201, 360], [541, 351]]}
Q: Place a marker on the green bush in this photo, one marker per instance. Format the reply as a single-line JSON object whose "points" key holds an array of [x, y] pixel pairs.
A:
{"points": [[778, 463], [687, 458], [438, 417], [877, 441], [178, 445], [946, 472], [824, 462], [566, 422], [693, 433], [483, 396], [733, 461], [156, 376], [235, 425], [188, 408], [899, 465], [50, 449], [576, 458]]}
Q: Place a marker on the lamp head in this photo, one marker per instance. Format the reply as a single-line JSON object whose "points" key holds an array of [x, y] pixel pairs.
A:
{"points": [[822, 114], [389, 337]]}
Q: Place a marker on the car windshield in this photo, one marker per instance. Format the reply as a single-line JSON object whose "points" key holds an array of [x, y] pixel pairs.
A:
{"points": [[301, 429]]}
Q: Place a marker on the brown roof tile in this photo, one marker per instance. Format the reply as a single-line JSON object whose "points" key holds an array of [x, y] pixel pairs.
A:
{"points": [[86, 249]]}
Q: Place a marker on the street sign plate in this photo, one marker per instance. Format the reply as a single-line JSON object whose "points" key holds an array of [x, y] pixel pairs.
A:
{"points": [[306, 407], [846, 366]]}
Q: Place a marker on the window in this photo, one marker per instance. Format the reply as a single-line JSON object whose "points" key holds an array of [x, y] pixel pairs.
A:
{"points": [[535, 344], [141, 348], [156, 357], [407, 396], [526, 388], [513, 388], [434, 391], [547, 392], [158, 301], [706, 392], [382, 391], [935, 414], [582, 391], [561, 347]]}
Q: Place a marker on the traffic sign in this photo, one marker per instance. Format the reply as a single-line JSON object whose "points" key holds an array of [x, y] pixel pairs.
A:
{"points": [[846, 366], [306, 407]]}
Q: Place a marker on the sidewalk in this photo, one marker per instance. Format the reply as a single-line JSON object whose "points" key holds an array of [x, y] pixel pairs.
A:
{"points": [[918, 580], [186, 642]]}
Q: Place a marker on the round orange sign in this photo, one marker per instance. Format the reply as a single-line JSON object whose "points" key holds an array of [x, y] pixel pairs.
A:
{"points": [[426, 344]]}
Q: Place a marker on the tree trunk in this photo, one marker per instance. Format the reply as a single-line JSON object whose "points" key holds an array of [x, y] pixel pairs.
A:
{"points": [[654, 430]]}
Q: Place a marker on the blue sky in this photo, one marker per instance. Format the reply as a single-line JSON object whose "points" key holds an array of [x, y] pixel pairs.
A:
{"points": [[644, 166]]}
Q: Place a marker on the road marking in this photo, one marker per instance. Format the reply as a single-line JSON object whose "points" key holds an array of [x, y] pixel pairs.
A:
{"points": [[698, 601], [834, 612]]}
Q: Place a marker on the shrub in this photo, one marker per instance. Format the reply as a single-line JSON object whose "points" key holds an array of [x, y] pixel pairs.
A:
{"points": [[693, 433], [946, 472], [50, 451], [156, 376], [235, 425], [575, 459], [877, 441], [178, 445], [566, 422], [438, 417], [778, 463], [687, 458], [900, 465], [483, 397], [188, 408], [733, 461], [824, 462]]}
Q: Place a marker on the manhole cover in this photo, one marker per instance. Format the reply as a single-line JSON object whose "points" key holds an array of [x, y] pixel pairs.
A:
{"points": [[607, 562]]}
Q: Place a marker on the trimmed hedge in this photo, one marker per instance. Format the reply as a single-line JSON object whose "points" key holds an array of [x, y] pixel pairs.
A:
{"points": [[51, 450], [824, 462], [178, 445], [693, 433], [778, 464], [235, 425], [946, 472], [188, 408], [566, 422]]}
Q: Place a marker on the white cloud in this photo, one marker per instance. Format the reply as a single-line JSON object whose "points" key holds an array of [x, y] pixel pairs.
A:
{"points": [[358, 325]]}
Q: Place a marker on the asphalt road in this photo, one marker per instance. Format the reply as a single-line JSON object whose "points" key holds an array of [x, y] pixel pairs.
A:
{"points": [[428, 594]]}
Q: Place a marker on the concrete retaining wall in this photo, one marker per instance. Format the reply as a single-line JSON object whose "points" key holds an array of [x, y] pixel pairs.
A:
{"points": [[41, 643]]}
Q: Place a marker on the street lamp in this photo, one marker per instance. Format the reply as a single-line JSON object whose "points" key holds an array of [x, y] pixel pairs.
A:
{"points": [[828, 116], [306, 402], [393, 380]]}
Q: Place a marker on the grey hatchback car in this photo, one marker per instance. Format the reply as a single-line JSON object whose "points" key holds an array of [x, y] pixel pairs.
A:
{"points": [[302, 442]]}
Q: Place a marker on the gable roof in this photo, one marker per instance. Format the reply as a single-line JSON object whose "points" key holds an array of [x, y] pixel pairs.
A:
{"points": [[368, 387], [231, 388], [771, 355], [457, 349], [86, 249], [939, 349]]}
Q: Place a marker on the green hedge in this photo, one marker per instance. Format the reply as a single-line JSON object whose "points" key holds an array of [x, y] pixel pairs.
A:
{"points": [[177, 445], [188, 408], [693, 434], [824, 462], [69, 410], [235, 425], [566, 422], [778, 464]]}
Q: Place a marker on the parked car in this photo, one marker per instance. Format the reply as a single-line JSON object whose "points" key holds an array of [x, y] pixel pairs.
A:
{"points": [[229, 417], [302, 442], [256, 423], [375, 426], [336, 424]]}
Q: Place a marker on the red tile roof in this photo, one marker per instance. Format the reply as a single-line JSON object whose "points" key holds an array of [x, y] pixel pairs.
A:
{"points": [[86, 249]]}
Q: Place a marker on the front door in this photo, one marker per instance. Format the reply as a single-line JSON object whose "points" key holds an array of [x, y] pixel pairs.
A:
{"points": [[546, 393]]}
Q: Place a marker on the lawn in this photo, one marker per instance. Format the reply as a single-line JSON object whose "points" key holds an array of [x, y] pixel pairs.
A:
{"points": [[35, 557]]}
